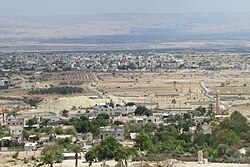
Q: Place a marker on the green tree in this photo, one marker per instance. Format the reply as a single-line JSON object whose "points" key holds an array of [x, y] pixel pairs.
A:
{"points": [[149, 127], [16, 154], [1, 132], [131, 128], [199, 111], [44, 122], [76, 148], [64, 142], [52, 154], [237, 123], [102, 116], [178, 151], [64, 113], [143, 142], [105, 150], [58, 130], [32, 121], [90, 156], [142, 110], [211, 152], [70, 131], [123, 153], [248, 152], [221, 149], [25, 134], [232, 152], [227, 137], [130, 104]]}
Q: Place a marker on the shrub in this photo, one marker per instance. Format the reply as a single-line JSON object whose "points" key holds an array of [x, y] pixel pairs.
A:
{"points": [[15, 155]]}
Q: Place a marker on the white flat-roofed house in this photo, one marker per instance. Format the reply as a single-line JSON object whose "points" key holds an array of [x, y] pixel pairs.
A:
{"points": [[30, 146], [152, 119], [117, 133], [55, 119], [133, 136], [122, 110], [71, 156], [16, 131], [62, 136]]}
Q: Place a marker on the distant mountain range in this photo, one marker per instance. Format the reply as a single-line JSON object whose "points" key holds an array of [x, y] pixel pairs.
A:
{"points": [[124, 29]]}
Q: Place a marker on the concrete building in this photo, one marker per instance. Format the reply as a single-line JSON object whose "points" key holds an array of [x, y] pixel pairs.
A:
{"points": [[16, 131], [30, 146], [123, 110], [63, 136], [117, 133], [14, 121], [200, 120], [55, 119], [206, 129], [152, 119]]}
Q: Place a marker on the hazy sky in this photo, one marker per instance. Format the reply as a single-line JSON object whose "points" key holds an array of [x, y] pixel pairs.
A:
{"points": [[82, 7]]}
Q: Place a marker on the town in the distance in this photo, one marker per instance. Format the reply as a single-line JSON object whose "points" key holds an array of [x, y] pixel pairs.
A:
{"points": [[168, 107]]}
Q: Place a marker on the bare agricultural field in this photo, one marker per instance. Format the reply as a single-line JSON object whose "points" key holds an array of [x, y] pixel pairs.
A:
{"points": [[159, 88], [68, 78], [183, 86], [180, 89], [234, 89]]}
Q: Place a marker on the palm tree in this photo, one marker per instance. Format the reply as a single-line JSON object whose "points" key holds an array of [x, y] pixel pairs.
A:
{"points": [[76, 148]]}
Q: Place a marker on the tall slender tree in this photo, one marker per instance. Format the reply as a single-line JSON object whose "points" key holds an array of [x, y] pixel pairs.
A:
{"points": [[76, 148]]}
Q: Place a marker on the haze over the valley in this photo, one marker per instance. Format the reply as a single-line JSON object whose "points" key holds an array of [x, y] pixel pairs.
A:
{"points": [[137, 24], [117, 29]]}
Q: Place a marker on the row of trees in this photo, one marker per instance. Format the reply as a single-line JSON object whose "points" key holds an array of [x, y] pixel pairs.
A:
{"points": [[54, 153], [108, 149], [57, 90]]}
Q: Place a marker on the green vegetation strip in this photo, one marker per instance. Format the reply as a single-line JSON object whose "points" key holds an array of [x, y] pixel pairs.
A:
{"points": [[57, 90]]}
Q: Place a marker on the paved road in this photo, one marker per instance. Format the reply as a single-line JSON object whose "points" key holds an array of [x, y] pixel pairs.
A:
{"points": [[206, 93]]}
